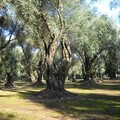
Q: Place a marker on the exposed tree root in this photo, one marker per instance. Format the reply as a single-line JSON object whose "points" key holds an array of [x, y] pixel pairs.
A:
{"points": [[89, 83], [36, 84], [55, 95], [8, 85]]}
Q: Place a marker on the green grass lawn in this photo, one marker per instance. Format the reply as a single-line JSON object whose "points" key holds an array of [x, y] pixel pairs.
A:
{"points": [[100, 102]]}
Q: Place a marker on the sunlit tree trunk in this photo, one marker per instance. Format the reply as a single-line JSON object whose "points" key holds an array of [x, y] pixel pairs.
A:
{"points": [[28, 65], [89, 72], [56, 73]]}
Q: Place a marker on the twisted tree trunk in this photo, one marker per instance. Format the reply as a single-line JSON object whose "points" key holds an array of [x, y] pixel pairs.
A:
{"points": [[40, 74], [55, 74], [9, 83]]}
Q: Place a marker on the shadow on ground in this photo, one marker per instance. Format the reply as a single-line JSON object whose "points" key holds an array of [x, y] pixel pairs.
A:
{"points": [[5, 116], [83, 107], [105, 85]]}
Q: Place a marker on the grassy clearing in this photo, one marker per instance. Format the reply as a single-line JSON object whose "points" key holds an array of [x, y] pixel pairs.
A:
{"points": [[92, 103]]}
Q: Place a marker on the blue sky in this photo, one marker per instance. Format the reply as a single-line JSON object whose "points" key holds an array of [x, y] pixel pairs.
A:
{"points": [[103, 7]]}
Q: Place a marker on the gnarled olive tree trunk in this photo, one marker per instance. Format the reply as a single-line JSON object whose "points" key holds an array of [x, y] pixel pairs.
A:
{"points": [[28, 66], [110, 70], [9, 81], [86, 68], [56, 74], [89, 72], [40, 73]]}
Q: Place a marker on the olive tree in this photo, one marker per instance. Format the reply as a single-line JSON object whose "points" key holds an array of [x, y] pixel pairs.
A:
{"points": [[43, 21]]}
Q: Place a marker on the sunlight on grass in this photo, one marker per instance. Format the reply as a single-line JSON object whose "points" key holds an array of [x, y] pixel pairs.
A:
{"points": [[90, 103], [95, 91]]}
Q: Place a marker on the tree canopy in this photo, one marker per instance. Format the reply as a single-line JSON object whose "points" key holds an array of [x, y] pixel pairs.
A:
{"points": [[53, 35]]}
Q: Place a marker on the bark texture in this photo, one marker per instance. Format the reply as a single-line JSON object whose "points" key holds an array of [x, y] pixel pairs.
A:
{"points": [[56, 73], [9, 83]]}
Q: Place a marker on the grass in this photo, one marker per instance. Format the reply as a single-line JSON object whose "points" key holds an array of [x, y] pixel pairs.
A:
{"points": [[100, 102], [6, 116]]}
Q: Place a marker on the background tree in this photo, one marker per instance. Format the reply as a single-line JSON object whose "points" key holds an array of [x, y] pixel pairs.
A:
{"points": [[91, 35], [112, 60], [8, 59]]}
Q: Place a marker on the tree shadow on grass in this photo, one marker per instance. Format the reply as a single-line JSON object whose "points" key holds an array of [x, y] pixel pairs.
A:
{"points": [[102, 87], [6, 116], [6, 96], [83, 107], [112, 85]]}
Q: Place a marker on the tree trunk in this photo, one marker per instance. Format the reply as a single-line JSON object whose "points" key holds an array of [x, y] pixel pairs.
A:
{"points": [[112, 73], [89, 75], [27, 65], [56, 74], [86, 71], [9, 83], [30, 77], [39, 79], [40, 73], [110, 70], [73, 77], [29, 73], [55, 79], [86, 77]]}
